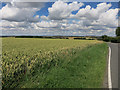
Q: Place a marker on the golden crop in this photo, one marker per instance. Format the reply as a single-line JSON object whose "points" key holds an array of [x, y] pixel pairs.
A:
{"points": [[22, 57]]}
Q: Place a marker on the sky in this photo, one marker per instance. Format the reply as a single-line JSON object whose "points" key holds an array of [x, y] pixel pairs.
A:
{"points": [[59, 18]]}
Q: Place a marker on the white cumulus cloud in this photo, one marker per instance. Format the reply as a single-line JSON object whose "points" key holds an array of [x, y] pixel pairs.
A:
{"points": [[20, 12], [60, 20], [61, 10], [46, 24]]}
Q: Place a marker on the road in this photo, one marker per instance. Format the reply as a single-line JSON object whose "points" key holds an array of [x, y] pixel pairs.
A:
{"points": [[115, 56], [119, 65]]}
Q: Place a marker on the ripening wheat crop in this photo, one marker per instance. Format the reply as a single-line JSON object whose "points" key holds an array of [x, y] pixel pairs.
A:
{"points": [[22, 57]]}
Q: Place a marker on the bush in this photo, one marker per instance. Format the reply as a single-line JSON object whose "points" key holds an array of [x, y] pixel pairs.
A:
{"points": [[111, 39], [106, 38], [118, 39], [115, 40]]}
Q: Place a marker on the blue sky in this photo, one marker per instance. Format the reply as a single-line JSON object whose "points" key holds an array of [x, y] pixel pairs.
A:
{"points": [[59, 18], [44, 10]]}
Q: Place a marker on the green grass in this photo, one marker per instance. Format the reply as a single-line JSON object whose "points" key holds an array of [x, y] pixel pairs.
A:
{"points": [[84, 70], [46, 63]]}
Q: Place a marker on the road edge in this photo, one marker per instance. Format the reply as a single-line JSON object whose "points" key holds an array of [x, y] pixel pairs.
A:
{"points": [[109, 71]]}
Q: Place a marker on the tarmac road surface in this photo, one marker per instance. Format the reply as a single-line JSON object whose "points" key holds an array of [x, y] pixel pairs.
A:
{"points": [[115, 56]]}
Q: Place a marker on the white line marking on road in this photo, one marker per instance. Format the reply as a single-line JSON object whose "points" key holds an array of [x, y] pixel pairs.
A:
{"points": [[109, 71]]}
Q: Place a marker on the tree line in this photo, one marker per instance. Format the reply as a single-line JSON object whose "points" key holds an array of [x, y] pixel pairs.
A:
{"points": [[112, 39]]}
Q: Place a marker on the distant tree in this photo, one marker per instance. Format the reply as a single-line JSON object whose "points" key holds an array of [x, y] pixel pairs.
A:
{"points": [[118, 31], [105, 38]]}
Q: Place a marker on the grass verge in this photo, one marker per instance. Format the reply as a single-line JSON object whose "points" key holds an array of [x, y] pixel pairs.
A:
{"points": [[85, 69]]}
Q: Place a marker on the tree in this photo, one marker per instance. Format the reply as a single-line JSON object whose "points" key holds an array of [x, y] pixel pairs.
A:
{"points": [[106, 38], [118, 31]]}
